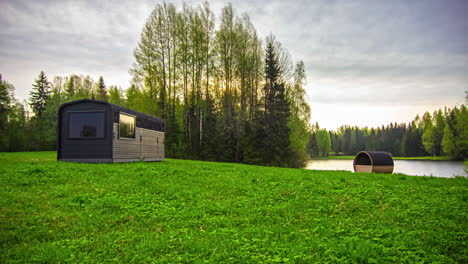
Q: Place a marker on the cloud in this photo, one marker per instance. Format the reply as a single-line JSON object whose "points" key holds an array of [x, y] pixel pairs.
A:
{"points": [[356, 52], [65, 37]]}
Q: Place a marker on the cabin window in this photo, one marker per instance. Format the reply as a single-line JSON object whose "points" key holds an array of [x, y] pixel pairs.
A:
{"points": [[86, 125], [126, 126]]}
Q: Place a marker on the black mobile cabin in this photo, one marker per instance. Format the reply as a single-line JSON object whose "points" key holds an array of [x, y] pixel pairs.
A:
{"points": [[101, 132]]}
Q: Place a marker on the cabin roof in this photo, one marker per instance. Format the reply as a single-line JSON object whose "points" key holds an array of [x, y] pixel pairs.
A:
{"points": [[143, 120]]}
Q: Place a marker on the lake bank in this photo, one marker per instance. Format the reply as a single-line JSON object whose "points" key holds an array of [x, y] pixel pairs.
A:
{"points": [[444, 158], [195, 211], [440, 168]]}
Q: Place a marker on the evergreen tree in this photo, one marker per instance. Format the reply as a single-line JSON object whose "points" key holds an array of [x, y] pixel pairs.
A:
{"points": [[39, 94], [346, 141], [276, 143], [101, 90], [206, 81], [254, 147]]}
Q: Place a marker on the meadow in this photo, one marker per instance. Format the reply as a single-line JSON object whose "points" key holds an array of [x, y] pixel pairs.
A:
{"points": [[181, 211]]}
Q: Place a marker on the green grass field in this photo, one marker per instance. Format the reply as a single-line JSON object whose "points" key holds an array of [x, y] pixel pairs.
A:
{"points": [[180, 211]]}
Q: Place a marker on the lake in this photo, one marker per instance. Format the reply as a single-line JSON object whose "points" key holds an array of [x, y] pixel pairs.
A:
{"points": [[445, 169]]}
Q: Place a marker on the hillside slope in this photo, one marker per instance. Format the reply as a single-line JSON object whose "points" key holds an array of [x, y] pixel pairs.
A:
{"points": [[193, 211]]}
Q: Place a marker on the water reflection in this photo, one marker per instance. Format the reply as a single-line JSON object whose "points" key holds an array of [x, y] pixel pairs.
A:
{"points": [[446, 169]]}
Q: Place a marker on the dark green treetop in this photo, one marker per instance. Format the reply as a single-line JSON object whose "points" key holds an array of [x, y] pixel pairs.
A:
{"points": [[101, 90], [39, 94]]}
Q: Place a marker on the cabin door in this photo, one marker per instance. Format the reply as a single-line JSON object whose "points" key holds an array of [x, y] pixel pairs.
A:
{"points": [[149, 144]]}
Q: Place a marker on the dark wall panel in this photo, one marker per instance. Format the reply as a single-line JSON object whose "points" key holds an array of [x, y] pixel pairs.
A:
{"points": [[85, 148]]}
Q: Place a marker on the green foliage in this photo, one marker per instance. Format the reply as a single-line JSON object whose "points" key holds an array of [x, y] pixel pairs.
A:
{"points": [[40, 94], [180, 211], [323, 142], [439, 126], [21, 132], [448, 141], [7, 107], [101, 90], [206, 83], [299, 138], [43, 130], [70, 87], [74, 87], [223, 98], [411, 144], [277, 147], [6, 97], [299, 117], [428, 136], [457, 121], [444, 133], [297, 94], [14, 136], [116, 95]]}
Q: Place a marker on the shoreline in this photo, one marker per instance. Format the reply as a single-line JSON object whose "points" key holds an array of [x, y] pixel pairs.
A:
{"points": [[442, 158]]}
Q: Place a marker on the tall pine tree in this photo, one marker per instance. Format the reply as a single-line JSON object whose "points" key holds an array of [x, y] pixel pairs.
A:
{"points": [[39, 94], [276, 142], [101, 90]]}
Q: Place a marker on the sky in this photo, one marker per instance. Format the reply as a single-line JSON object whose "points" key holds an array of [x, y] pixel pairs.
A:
{"points": [[368, 63]]}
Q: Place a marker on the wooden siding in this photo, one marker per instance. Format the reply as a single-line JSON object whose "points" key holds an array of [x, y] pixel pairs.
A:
{"points": [[363, 168], [382, 169], [126, 149], [148, 145], [152, 144], [370, 168]]}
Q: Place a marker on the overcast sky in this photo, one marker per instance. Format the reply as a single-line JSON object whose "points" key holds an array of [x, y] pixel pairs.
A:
{"points": [[368, 62]]}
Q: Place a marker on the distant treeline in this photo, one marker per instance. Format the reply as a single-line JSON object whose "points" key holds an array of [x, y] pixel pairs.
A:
{"points": [[444, 133], [224, 95]]}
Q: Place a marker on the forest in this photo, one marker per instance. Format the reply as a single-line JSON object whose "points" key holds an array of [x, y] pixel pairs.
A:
{"points": [[444, 133], [225, 95]]}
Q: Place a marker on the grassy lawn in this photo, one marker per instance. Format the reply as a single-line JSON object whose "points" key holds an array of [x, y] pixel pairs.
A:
{"points": [[395, 158], [180, 211]]}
